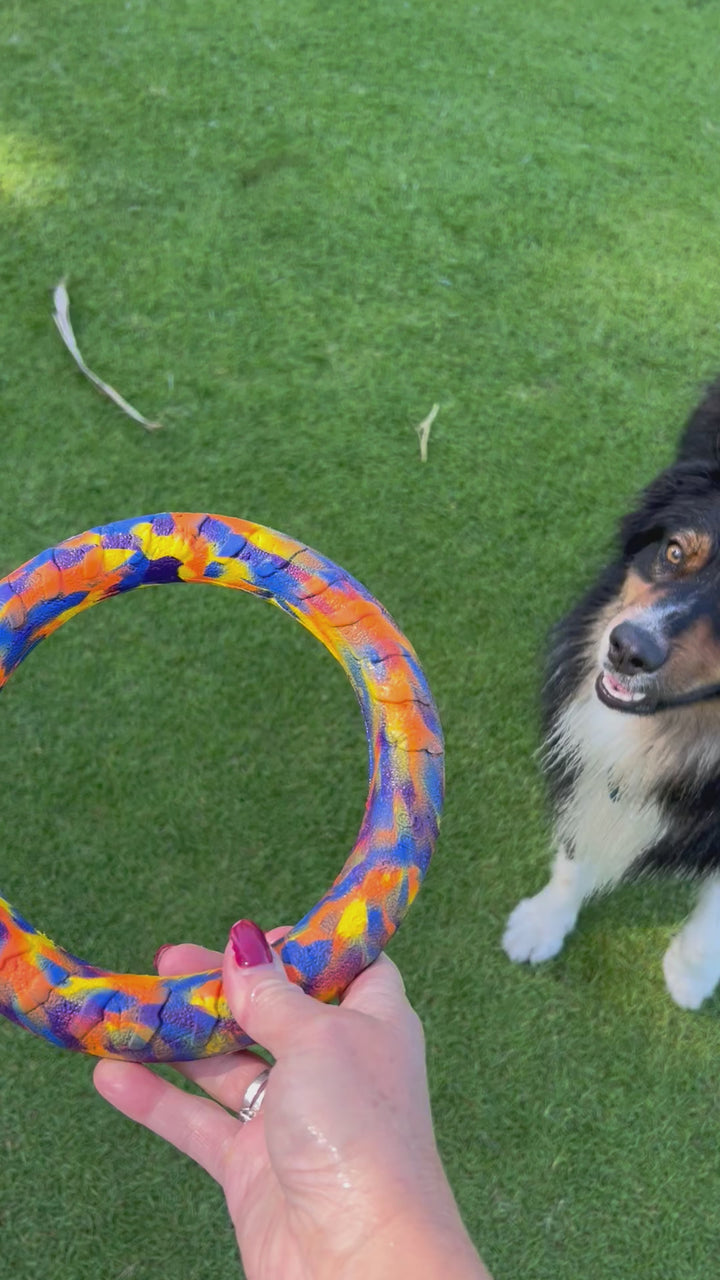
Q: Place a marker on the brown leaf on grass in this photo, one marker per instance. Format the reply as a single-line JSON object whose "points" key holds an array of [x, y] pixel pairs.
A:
{"points": [[61, 316]]}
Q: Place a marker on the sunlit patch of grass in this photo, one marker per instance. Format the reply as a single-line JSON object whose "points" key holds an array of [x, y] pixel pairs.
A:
{"points": [[31, 173]]}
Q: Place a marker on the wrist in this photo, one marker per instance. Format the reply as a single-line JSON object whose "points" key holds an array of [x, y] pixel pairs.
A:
{"points": [[426, 1247], [413, 1229]]}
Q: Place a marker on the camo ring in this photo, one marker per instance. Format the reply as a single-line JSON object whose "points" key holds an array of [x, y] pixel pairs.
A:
{"points": [[150, 1019]]}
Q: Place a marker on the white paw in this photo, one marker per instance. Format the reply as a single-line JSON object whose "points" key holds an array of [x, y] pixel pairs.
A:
{"points": [[537, 928], [691, 973]]}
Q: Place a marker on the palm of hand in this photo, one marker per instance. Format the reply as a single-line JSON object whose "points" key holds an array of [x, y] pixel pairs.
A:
{"points": [[302, 1179], [310, 1179]]}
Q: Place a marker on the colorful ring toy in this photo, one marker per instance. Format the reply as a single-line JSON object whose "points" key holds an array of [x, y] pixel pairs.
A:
{"points": [[151, 1019]]}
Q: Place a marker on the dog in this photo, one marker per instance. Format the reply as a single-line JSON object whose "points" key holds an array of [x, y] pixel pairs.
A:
{"points": [[631, 718]]}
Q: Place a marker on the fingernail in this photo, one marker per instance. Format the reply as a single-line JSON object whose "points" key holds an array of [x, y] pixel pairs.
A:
{"points": [[250, 945], [160, 951]]}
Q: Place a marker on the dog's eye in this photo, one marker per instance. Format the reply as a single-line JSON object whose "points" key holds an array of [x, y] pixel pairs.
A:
{"points": [[674, 554]]}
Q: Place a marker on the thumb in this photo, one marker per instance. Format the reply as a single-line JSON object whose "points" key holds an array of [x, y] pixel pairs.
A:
{"points": [[262, 999]]}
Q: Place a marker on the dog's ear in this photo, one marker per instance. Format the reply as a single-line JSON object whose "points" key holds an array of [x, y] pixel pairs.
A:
{"points": [[700, 441]]}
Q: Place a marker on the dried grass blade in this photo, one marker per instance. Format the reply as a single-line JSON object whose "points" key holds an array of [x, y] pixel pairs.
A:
{"points": [[423, 430], [61, 316]]}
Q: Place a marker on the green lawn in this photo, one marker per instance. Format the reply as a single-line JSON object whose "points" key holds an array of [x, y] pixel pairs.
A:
{"points": [[289, 229]]}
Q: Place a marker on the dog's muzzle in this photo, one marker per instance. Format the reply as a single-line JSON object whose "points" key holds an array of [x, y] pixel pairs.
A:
{"points": [[629, 681]]}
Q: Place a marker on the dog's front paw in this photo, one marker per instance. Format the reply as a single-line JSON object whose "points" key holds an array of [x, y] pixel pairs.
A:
{"points": [[537, 928], [691, 971]]}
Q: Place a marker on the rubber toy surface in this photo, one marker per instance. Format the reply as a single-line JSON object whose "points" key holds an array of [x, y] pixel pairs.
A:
{"points": [[151, 1019]]}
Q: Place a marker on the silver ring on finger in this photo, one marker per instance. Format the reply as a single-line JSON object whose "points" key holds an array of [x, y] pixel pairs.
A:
{"points": [[253, 1097]]}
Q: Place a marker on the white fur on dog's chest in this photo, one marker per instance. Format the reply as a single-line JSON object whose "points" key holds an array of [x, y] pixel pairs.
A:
{"points": [[608, 833], [610, 817]]}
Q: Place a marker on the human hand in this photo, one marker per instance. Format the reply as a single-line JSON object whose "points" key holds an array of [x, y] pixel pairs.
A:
{"points": [[338, 1175]]}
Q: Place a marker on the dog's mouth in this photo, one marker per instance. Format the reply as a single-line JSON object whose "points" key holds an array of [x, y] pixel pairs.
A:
{"points": [[622, 696]]}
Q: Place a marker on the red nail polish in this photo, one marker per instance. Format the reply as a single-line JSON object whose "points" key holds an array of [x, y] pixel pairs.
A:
{"points": [[166, 947], [250, 946]]}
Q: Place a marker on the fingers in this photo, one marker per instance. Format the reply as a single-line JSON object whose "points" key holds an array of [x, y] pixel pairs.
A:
{"points": [[378, 991], [196, 1126], [189, 958], [274, 1011], [225, 1077], [270, 1008], [263, 1001], [186, 958]]}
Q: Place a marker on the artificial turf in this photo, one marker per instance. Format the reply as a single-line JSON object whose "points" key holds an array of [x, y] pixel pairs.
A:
{"points": [[288, 230]]}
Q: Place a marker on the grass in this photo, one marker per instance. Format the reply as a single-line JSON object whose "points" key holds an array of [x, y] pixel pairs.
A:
{"points": [[289, 229]]}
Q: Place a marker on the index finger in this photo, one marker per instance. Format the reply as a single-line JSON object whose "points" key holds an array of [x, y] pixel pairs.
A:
{"points": [[188, 957]]}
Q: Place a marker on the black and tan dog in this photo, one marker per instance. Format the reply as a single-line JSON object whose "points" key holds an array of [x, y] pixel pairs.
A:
{"points": [[632, 720]]}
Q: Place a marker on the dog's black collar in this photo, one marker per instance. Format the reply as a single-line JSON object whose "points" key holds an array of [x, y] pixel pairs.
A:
{"points": [[649, 706]]}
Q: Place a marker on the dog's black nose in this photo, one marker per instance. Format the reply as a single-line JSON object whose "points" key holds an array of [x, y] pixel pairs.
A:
{"points": [[632, 650]]}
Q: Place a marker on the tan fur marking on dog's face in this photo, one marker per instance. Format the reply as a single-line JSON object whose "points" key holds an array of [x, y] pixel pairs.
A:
{"points": [[695, 658], [637, 593]]}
